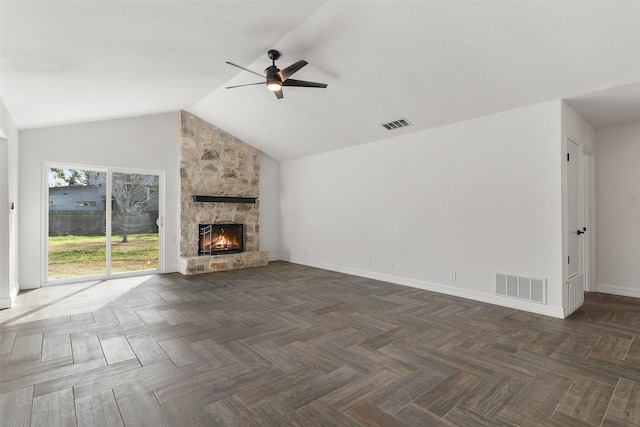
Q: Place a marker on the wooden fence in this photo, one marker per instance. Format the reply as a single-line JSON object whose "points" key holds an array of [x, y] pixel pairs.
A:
{"points": [[93, 223]]}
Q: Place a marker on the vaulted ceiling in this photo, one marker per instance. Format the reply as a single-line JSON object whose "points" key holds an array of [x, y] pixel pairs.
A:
{"points": [[433, 63]]}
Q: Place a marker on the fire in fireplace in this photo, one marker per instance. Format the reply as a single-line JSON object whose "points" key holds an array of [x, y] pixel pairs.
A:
{"points": [[217, 239]]}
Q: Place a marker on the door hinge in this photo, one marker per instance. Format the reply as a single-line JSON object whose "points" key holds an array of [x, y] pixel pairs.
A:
{"points": [[568, 260], [568, 157]]}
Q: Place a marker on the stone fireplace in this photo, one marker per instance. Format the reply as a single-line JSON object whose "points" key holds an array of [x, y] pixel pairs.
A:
{"points": [[219, 177]]}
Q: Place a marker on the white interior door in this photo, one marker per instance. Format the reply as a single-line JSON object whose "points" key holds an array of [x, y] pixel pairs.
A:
{"points": [[575, 228]]}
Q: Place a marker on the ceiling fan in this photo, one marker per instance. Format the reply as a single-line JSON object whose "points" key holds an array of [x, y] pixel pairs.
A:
{"points": [[276, 78]]}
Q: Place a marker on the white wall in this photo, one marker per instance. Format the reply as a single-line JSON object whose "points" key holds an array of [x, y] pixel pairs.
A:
{"points": [[476, 197], [148, 142], [8, 217], [618, 209], [269, 199]]}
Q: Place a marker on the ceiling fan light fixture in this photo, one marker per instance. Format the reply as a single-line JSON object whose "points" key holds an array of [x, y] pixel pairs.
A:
{"points": [[274, 85], [277, 78]]}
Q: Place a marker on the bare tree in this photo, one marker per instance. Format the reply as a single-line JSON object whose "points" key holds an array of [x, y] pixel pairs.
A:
{"points": [[132, 194]]}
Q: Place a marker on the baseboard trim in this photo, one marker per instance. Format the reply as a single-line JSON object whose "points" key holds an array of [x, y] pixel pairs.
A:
{"points": [[6, 302], [276, 258], [618, 290], [173, 268], [545, 310]]}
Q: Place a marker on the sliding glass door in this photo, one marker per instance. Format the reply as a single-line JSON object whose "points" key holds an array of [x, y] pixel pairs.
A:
{"points": [[134, 222], [77, 236], [101, 222]]}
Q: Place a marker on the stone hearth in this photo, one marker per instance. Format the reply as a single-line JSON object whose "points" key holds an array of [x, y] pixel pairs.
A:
{"points": [[214, 163]]}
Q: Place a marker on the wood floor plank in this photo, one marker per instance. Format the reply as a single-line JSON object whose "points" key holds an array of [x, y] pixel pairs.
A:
{"points": [[282, 357], [612, 346], [633, 355], [317, 387], [213, 353], [287, 344], [616, 422], [180, 353], [128, 376], [117, 350], [538, 399], [149, 316], [625, 402], [147, 349], [578, 345], [463, 417], [416, 416], [54, 409], [186, 411], [15, 407], [447, 393], [360, 389], [22, 368], [203, 382], [98, 410], [100, 371], [237, 383], [320, 414], [27, 347], [560, 419], [56, 347], [230, 412], [6, 343], [364, 413], [139, 407], [67, 368], [277, 385], [104, 315], [86, 348], [494, 394], [126, 315], [275, 412], [405, 390], [586, 400]]}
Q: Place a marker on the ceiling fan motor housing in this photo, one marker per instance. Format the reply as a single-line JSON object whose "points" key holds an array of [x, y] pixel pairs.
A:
{"points": [[273, 55], [272, 76]]}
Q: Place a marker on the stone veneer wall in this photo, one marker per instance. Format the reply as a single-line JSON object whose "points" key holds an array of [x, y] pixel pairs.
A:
{"points": [[214, 163]]}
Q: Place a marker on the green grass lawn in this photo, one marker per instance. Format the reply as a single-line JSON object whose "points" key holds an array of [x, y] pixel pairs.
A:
{"points": [[78, 256]]}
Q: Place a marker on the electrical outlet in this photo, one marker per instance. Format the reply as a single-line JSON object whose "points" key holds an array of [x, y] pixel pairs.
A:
{"points": [[393, 265], [452, 276], [370, 263]]}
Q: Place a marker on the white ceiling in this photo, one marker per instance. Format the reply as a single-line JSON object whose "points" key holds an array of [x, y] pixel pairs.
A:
{"points": [[434, 63]]}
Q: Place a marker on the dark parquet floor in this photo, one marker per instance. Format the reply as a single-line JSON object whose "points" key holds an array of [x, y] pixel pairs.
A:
{"points": [[292, 345]]}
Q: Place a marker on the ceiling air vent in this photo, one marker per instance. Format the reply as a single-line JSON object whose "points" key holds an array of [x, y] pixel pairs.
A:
{"points": [[397, 124]]}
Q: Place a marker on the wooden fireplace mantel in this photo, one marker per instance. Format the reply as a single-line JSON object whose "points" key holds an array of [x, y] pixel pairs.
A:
{"points": [[223, 199]]}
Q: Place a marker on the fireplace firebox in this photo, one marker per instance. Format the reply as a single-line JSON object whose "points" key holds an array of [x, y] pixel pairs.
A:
{"points": [[218, 239]]}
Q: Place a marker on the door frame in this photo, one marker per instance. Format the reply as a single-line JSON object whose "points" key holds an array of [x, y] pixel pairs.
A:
{"points": [[585, 200], [108, 171]]}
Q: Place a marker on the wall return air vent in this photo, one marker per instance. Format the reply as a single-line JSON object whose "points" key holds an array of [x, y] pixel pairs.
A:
{"points": [[524, 288], [397, 124]]}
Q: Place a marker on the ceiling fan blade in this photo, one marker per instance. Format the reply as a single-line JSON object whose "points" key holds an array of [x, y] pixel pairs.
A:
{"points": [[245, 69], [302, 83], [288, 72], [278, 93], [248, 84]]}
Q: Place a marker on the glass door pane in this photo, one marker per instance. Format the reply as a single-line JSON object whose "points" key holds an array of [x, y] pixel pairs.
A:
{"points": [[134, 228], [76, 245]]}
